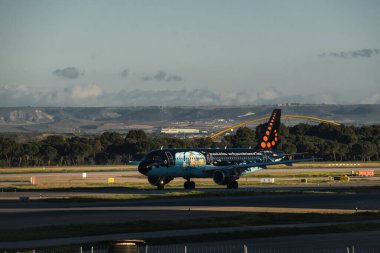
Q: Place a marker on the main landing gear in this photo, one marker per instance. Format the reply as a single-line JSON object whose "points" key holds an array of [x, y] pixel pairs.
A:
{"points": [[232, 185], [189, 185]]}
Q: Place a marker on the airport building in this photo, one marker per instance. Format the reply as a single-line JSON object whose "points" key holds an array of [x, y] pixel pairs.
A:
{"points": [[180, 131]]}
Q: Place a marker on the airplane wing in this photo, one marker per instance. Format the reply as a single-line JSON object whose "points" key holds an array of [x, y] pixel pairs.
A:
{"points": [[134, 162], [242, 167]]}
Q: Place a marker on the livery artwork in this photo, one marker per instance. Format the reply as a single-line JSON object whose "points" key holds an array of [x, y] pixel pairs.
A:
{"points": [[190, 159]]}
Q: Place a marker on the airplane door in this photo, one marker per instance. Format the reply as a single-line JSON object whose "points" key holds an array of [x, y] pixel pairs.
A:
{"points": [[208, 158], [170, 159]]}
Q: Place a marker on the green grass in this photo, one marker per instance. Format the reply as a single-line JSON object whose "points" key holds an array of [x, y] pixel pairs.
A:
{"points": [[105, 168], [184, 194], [63, 169], [122, 197], [175, 184], [330, 164], [287, 177], [155, 225], [291, 174]]}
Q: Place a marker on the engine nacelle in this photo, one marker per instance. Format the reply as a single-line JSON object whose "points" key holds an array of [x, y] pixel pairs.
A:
{"points": [[156, 180], [220, 177]]}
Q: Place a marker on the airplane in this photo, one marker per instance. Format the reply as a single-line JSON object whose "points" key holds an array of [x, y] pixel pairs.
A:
{"points": [[224, 166]]}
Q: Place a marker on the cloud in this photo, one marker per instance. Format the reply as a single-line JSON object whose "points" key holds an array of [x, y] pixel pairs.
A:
{"points": [[373, 99], [124, 73], [324, 99], [88, 91], [185, 97], [163, 76], [320, 98], [160, 76], [16, 95], [77, 95], [269, 94], [362, 53], [69, 73], [93, 95], [174, 79]]}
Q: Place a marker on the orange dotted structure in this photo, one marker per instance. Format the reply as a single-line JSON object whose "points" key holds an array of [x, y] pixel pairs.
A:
{"points": [[270, 138]]}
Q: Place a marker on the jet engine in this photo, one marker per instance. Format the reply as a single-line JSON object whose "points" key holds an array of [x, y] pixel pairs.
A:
{"points": [[220, 177], [157, 181]]}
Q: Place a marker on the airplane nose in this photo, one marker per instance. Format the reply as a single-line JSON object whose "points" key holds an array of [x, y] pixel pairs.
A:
{"points": [[144, 168]]}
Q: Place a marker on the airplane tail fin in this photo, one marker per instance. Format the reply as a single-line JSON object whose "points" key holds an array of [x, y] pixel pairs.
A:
{"points": [[271, 134]]}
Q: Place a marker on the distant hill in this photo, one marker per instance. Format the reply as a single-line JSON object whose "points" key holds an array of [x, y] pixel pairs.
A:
{"points": [[100, 119]]}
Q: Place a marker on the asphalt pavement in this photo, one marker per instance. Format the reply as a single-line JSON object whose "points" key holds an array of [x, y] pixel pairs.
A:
{"points": [[36, 214]]}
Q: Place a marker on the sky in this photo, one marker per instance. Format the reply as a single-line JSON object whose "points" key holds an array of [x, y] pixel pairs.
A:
{"points": [[190, 53]]}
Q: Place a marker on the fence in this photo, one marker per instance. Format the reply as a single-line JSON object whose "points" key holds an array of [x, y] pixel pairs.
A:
{"points": [[223, 248]]}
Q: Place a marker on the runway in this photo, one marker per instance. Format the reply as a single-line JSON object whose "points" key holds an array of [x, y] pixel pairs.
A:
{"points": [[41, 211], [36, 214], [365, 238]]}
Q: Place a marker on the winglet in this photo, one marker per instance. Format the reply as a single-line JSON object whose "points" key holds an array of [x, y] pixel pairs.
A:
{"points": [[271, 134]]}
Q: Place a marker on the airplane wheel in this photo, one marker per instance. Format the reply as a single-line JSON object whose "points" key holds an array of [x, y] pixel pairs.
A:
{"points": [[160, 187], [233, 185], [189, 185]]}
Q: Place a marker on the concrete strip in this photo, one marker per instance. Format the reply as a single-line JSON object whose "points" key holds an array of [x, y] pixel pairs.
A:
{"points": [[186, 208], [161, 234]]}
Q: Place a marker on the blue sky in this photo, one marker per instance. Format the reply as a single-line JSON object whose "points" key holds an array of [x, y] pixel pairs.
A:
{"points": [[120, 53]]}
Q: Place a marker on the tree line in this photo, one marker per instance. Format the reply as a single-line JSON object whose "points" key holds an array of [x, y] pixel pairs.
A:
{"points": [[330, 142]]}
